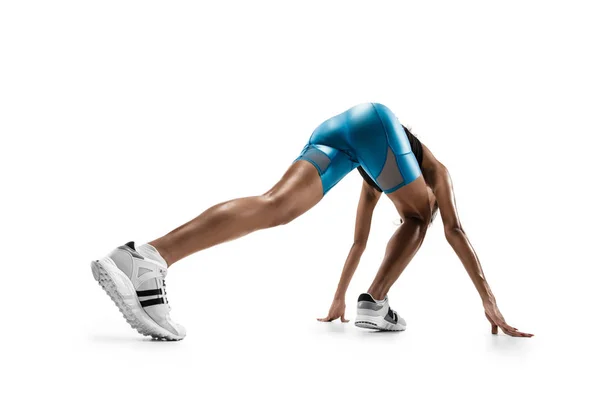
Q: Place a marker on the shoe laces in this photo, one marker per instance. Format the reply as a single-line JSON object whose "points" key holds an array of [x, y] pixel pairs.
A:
{"points": [[163, 283]]}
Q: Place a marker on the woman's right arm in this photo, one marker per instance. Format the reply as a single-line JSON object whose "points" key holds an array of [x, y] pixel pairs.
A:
{"points": [[368, 200]]}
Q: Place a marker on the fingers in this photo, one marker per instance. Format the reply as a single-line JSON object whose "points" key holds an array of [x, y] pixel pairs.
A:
{"points": [[509, 330], [326, 319], [497, 320], [331, 318], [518, 334]]}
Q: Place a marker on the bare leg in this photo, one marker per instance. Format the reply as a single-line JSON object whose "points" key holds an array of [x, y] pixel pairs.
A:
{"points": [[297, 192], [401, 248], [412, 203]]}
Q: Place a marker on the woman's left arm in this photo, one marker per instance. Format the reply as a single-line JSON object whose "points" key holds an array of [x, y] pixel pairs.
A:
{"points": [[441, 185]]}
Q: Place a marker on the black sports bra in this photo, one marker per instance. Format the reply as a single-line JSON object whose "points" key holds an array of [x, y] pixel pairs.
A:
{"points": [[417, 149]]}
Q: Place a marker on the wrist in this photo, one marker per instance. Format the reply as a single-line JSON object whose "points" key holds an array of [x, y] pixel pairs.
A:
{"points": [[487, 297], [488, 300], [340, 296]]}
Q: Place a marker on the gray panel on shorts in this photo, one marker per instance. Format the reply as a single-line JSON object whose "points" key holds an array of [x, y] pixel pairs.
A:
{"points": [[318, 157], [390, 175]]}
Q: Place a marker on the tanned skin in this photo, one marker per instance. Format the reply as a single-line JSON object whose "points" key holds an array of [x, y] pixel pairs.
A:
{"points": [[300, 189], [409, 237]]}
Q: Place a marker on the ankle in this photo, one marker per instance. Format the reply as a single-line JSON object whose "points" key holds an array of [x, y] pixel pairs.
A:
{"points": [[163, 251], [378, 293]]}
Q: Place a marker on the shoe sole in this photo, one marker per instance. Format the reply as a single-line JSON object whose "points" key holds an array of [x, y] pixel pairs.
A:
{"points": [[377, 323], [120, 289]]}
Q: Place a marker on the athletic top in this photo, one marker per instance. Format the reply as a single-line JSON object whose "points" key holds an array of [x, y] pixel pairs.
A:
{"points": [[415, 146]]}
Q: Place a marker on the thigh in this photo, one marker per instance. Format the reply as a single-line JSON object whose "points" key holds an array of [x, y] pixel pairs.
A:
{"points": [[412, 201], [298, 190]]}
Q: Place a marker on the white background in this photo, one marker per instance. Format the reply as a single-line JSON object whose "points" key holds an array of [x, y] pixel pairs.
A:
{"points": [[120, 120]]}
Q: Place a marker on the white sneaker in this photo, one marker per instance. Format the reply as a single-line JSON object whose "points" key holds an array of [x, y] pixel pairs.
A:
{"points": [[135, 281], [377, 314]]}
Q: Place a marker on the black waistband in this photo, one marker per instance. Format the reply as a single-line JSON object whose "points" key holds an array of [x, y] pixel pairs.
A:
{"points": [[416, 146]]}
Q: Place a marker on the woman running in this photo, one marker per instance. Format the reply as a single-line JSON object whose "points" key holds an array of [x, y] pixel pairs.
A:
{"points": [[390, 159]]}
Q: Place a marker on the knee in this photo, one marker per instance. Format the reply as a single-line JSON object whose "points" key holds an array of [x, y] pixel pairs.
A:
{"points": [[279, 210], [420, 221]]}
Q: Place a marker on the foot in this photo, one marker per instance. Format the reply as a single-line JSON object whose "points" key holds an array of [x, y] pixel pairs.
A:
{"points": [[377, 314], [135, 280]]}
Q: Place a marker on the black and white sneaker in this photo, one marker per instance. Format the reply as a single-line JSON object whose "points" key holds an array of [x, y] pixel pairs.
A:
{"points": [[135, 281], [377, 314]]}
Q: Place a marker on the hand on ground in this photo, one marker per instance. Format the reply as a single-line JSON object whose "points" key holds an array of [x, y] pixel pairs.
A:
{"points": [[492, 313], [337, 310]]}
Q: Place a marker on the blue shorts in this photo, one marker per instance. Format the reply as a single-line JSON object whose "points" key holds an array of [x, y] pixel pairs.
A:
{"points": [[369, 135]]}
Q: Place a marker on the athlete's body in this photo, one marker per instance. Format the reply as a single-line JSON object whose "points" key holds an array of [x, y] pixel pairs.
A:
{"points": [[367, 135]]}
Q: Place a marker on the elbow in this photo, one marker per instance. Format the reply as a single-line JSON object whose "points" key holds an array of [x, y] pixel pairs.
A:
{"points": [[452, 232], [359, 245]]}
